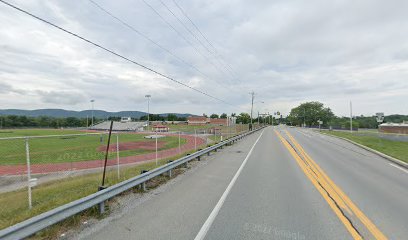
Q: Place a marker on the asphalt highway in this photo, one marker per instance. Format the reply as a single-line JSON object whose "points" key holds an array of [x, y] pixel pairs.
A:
{"points": [[280, 183]]}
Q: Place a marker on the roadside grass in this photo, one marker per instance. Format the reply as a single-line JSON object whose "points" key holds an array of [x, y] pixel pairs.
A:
{"points": [[55, 193], [394, 149], [72, 148]]}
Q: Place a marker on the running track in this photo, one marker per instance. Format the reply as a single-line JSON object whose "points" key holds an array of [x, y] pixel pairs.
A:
{"points": [[72, 166]]}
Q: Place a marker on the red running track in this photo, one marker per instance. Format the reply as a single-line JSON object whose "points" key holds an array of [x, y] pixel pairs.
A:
{"points": [[73, 166]]}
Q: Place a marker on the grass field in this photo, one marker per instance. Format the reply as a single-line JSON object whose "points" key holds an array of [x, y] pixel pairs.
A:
{"points": [[68, 148], [35, 132], [394, 149]]}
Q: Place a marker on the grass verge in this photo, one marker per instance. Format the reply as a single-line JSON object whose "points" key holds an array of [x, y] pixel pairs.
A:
{"points": [[56, 193], [394, 149]]}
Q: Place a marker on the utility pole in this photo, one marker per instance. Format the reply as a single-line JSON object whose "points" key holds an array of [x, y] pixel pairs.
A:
{"points": [[351, 117], [252, 104]]}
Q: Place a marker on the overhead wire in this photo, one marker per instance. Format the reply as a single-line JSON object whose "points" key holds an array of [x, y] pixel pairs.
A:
{"points": [[146, 37], [112, 52], [181, 36], [152, 41], [191, 33], [215, 51]]}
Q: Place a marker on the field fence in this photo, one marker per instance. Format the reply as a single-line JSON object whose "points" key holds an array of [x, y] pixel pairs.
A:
{"points": [[42, 172], [30, 163], [215, 134], [26, 161]]}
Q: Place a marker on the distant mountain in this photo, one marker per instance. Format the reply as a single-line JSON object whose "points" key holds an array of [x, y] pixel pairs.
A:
{"points": [[79, 114]]}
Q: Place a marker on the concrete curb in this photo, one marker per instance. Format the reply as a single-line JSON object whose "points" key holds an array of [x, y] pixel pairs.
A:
{"points": [[389, 158]]}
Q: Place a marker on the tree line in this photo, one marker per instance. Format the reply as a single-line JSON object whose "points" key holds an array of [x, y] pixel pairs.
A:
{"points": [[13, 121], [310, 113]]}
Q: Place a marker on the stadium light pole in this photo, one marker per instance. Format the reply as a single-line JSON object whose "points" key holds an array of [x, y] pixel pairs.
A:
{"points": [[92, 107], [148, 96]]}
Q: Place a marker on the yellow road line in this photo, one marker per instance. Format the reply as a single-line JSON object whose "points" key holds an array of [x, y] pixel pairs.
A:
{"points": [[324, 194], [358, 213]]}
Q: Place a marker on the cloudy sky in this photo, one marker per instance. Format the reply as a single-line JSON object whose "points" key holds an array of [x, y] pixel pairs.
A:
{"points": [[287, 52]]}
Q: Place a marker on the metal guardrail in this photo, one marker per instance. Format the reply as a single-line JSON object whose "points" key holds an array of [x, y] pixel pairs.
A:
{"points": [[44, 220]]}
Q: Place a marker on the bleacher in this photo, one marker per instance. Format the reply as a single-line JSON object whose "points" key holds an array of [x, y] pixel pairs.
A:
{"points": [[119, 126]]}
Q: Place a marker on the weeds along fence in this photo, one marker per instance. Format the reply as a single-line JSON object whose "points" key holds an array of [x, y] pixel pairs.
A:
{"points": [[26, 162], [215, 133], [43, 172]]}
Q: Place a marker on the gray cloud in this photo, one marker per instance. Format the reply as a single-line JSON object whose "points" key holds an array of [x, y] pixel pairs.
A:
{"points": [[7, 89], [286, 51], [61, 97]]}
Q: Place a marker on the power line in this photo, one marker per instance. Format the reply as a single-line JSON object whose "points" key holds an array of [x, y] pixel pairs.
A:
{"points": [[154, 42], [205, 38], [188, 30], [146, 37], [110, 51], [180, 35], [181, 22]]}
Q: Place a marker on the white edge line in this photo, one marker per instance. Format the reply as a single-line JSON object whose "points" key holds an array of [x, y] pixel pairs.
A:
{"points": [[206, 226], [400, 168]]}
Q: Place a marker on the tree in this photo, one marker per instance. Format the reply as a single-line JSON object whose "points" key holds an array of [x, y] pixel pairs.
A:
{"points": [[224, 115], [72, 122], [172, 117], [310, 113], [243, 118], [214, 115]]}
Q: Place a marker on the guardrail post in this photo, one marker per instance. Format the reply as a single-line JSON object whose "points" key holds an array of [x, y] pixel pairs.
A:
{"points": [[198, 158], [171, 170], [142, 186], [208, 153], [101, 205]]}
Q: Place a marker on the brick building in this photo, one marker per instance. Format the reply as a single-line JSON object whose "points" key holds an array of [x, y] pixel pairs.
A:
{"points": [[194, 120], [399, 128], [218, 121], [197, 120]]}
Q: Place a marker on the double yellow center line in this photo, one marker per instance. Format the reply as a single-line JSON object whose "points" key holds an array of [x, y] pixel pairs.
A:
{"points": [[338, 201]]}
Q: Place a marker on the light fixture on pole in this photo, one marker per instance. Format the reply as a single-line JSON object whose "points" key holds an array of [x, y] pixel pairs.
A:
{"points": [[92, 107], [148, 96]]}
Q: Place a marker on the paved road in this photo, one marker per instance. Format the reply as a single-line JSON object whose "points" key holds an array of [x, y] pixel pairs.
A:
{"points": [[283, 183]]}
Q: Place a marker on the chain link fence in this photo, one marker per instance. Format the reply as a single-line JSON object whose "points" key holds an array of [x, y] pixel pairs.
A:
{"points": [[42, 172]]}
